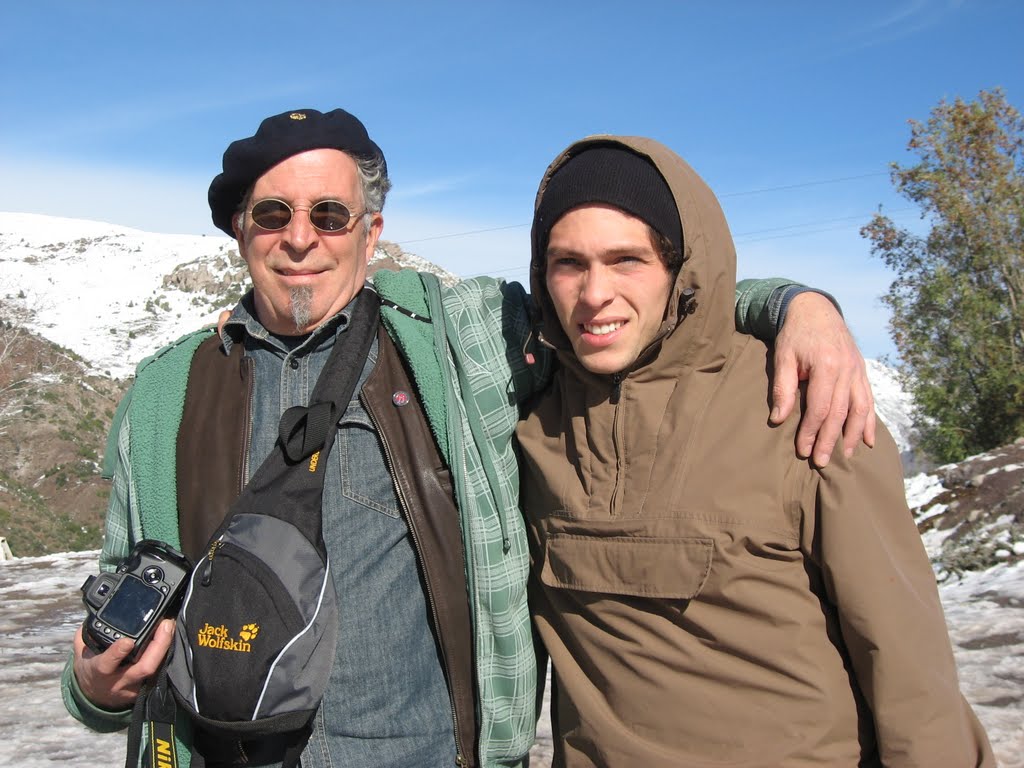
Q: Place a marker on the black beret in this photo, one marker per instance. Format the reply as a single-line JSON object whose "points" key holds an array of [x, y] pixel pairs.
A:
{"points": [[278, 138], [615, 176]]}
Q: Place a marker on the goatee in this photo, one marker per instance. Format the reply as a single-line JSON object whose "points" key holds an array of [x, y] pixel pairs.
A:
{"points": [[302, 306]]}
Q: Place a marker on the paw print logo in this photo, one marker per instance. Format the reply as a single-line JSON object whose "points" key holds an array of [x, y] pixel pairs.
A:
{"points": [[249, 631]]}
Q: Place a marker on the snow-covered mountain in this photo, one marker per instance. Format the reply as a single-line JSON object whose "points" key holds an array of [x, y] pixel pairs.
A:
{"points": [[114, 295], [893, 404]]}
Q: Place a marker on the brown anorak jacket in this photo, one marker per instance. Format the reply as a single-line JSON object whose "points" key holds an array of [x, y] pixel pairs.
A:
{"points": [[707, 597]]}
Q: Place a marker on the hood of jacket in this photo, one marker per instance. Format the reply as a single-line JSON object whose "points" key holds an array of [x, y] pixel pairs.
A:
{"points": [[703, 292]]}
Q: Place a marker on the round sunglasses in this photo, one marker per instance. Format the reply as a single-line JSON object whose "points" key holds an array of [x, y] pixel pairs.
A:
{"points": [[326, 216]]}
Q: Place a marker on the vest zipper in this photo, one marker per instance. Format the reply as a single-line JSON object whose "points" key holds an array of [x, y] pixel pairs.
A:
{"points": [[460, 760], [243, 476]]}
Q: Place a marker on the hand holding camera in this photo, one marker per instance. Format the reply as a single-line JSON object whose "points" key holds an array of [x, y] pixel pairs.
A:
{"points": [[107, 680], [128, 630], [147, 586]]}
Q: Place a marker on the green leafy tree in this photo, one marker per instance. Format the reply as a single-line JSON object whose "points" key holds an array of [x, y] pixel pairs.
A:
{"points": [[958, 298]]}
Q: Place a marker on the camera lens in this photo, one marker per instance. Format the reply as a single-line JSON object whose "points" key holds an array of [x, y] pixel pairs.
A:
{"points": [[152, 575]]}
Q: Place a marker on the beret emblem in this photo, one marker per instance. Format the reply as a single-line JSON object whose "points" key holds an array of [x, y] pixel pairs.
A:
{"points": [[297, 116]]}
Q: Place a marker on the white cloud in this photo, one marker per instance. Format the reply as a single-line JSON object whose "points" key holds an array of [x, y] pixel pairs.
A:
{"points": [[410, 190]]}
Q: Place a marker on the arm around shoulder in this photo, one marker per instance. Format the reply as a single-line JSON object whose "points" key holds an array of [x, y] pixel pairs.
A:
{"points": [[812, 343]]}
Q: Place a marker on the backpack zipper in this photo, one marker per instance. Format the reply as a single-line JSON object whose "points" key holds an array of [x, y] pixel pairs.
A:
{"points": [[210, 554]]}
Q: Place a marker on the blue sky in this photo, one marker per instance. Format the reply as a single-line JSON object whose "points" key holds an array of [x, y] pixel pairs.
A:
{"points": [[791, 111]]}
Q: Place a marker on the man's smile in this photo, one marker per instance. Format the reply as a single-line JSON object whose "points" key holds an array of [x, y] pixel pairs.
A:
{"points": [[602, 328]]}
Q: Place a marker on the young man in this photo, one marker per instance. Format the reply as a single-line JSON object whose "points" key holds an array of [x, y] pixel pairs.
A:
{"points": [[708, 597], [435, 662]]}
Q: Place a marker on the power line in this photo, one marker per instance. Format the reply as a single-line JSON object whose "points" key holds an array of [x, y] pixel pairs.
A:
{"points": [[460, 234], [509, 271], [797, 234], [815, 224], [836, 180]]}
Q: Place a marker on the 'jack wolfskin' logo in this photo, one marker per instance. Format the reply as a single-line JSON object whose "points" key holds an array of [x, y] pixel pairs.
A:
{"points": [[220, 639]]}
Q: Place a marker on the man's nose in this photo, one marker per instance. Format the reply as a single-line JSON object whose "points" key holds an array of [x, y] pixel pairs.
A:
{"points": [[300, 233], [598, 288]]}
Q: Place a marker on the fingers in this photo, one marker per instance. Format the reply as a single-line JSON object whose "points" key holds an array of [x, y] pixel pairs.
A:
{"points": [[831, 428], [816, 344], [103, 663], [80, 648], [108, 662], [221, 319], [869, 427], [784, 384], [818, 429], [860, 423], [104, 677], [149, 662]]}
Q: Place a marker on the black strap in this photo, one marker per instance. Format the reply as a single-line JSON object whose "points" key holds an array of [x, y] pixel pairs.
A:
{"points": [[303, 430], [160, 715], [406, 312], [154, 708], [135, 728], [289, 483]]}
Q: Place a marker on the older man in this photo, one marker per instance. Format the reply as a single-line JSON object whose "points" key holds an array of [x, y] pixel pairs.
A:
{"points": [[706, 596], [435, 663]]}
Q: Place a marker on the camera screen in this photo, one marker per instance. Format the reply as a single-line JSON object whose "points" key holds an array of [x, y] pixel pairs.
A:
{"points": [[131, 606]]}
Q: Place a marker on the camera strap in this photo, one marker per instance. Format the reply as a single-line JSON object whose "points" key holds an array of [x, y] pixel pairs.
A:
{"points": [[155, 708], [286, 487]]}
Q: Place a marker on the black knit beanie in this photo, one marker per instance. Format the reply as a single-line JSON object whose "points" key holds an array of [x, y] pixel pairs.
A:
{"points": [[615, 176]]}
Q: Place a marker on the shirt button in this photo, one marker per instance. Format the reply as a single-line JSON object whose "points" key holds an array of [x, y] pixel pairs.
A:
{"points": [[294, 364]]}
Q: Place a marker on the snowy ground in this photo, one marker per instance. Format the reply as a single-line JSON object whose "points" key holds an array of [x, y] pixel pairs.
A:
{"points": [[41, 607]]}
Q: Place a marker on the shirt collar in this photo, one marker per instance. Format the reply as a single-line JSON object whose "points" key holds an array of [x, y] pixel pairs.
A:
{"points": [[243, 322]]}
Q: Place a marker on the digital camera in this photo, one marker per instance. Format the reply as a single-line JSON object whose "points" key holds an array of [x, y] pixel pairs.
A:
{"points": [[147, 586]]}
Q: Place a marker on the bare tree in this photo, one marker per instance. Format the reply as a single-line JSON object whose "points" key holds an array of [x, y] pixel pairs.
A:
{"points": [[20, 361]]}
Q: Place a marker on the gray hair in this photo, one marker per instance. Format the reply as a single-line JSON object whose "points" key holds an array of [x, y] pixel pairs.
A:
{"points": [[373, 181]]}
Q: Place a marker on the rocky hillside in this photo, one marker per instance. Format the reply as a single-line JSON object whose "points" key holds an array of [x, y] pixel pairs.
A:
{"points": [[53, 422], [971, 514]]}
